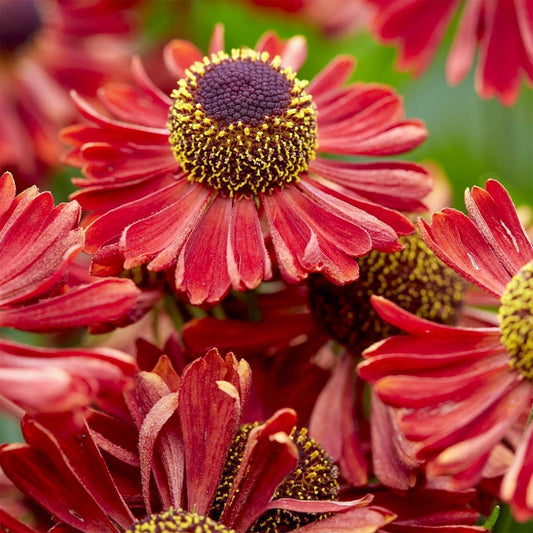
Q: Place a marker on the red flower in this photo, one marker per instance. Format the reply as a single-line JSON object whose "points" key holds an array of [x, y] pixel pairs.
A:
{"points": [[457, 391], [49, 47], [503, 30], [190, 183], [60, 380], [174, 455], [37, 243]]}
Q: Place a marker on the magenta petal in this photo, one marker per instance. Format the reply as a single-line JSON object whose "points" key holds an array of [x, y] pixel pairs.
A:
{"points": [[13, 525], [209, 411]]}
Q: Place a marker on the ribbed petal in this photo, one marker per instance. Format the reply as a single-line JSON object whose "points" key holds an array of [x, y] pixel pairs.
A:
{"points": [[308, 237], [333, 423], [154, 238], [101, 301], [247, 257], [502, 55], [133, 105], [202, 265], [401, 137], [110, 226], [209, 412], [456, 240], [270, 455], [495, 216], [397, 185], [390, 465]]}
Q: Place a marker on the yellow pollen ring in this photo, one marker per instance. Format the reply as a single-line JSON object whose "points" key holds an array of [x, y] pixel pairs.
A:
{"points": [[516, 321], [242, 158]]}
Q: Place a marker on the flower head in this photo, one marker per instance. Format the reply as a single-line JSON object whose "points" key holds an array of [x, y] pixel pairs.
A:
{"points": [[455, 392], [193, 183], [502, 29], [181, 460]]}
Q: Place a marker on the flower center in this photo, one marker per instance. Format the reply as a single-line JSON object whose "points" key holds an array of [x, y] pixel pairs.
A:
{"points": [[414, 278], [241, 124], [19, 21], [314, 478], [516, 320], [178, 522]]}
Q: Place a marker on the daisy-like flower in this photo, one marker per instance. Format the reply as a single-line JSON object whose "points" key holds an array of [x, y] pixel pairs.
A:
{"points": [[192, 183], [183, 463], [47, 48], [38, 241], [455, 392], [503, 30]]}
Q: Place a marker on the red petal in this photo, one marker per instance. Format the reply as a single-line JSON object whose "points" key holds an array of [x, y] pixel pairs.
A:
{"points": [[209, 411], [335, 74], [180, 55], [202, 266], [101, 301], [269, 456], [248, 260]]}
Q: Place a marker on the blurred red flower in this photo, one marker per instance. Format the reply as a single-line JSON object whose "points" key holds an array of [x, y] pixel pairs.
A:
{"points": [[47, 48], [191, 183], [503, 30], [456, 392]]}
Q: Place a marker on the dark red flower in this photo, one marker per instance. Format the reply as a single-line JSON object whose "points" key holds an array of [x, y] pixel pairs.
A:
{"points": [[193, 183], [49, 47], [37, 243], [456, 392], [182, 457], [502, 29]]}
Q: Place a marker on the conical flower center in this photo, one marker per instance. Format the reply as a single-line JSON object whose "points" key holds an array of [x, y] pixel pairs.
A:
{"points": [[314, 478], [19, 21], [241, 124], [414, 278], [178, 522], [516, 320]]}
